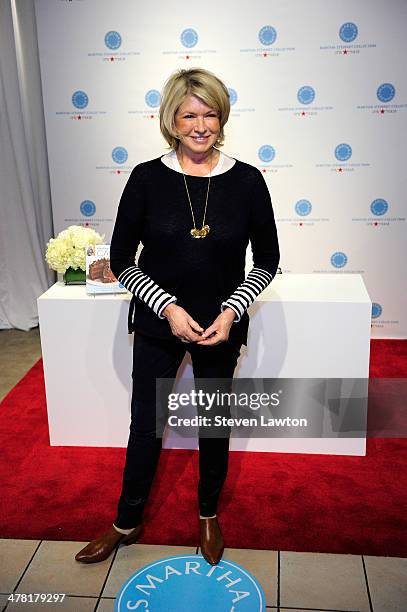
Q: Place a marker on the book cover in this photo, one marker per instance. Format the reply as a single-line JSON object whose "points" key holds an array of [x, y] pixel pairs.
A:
{"points": [[99, 277]]}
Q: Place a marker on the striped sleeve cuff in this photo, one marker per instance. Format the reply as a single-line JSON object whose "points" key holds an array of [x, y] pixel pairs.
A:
{"points": [[256, 281], [146, 290]]}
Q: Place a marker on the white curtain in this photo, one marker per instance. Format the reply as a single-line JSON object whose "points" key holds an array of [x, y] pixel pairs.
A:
{"points": [[25, 201]]}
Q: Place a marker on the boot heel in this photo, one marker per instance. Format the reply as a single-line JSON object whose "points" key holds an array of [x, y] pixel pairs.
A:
{"points": [[132, 537]]}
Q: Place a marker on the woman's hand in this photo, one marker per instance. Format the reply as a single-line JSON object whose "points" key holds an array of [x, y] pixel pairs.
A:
{"points": [[183, 326], [219, 330]]}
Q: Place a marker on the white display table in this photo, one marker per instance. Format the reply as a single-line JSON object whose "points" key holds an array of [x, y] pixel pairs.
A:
{"points": [[302, 326]]}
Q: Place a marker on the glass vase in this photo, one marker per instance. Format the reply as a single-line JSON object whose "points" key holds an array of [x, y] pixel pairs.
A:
{"points": [[75, 277]]}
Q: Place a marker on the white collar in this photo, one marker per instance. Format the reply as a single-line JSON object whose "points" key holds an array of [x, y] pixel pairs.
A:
{"points": [[224, 162]]}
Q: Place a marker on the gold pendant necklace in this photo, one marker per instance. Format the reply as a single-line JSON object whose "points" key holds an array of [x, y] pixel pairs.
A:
{"points": [[204, 231]]}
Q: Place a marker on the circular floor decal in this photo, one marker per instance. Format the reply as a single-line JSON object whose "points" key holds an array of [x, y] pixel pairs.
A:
{"points": [[188, 582]]}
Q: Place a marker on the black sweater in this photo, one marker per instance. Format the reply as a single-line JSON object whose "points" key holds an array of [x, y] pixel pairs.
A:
{"points": [[203, 275]]}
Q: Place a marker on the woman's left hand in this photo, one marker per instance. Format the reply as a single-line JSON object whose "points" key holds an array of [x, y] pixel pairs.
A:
{"points": [[219, 330]]}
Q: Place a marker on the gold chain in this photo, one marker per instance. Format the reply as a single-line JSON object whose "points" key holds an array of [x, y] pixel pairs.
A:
{"points": [[204, 231]]}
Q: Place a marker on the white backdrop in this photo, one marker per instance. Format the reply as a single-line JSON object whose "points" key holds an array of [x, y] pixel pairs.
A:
{"points": [[319, 98]]}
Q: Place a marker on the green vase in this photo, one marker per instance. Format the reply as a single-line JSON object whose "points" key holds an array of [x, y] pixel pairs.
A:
{"points": [[75, 277]]}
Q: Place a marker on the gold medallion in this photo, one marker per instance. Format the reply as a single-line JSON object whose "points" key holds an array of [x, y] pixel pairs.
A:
{"points": [[200, 233]]}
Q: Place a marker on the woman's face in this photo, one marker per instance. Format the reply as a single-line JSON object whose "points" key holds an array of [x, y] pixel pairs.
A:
{"points": [[197, 125]]}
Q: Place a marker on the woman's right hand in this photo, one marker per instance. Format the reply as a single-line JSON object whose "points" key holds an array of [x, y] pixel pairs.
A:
{"points": [[183, 326]]}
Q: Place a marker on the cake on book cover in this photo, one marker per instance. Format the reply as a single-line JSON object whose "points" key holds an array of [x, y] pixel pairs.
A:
{"points": [[99, 277]]}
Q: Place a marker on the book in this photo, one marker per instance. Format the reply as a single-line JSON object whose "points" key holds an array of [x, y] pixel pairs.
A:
{"points": [[99, 277]]}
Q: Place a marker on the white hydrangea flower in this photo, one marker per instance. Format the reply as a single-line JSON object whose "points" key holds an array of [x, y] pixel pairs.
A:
{"points": [[67, 250]]}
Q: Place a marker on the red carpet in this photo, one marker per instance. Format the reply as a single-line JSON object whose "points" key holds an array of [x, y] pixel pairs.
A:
{"points": [[274, 501]]}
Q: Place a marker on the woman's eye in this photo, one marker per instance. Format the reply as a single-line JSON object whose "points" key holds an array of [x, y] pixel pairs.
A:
{"points": [[191, 116]]}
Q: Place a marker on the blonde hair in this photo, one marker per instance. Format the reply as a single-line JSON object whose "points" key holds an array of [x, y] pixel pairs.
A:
{"points": [[197, 82]]}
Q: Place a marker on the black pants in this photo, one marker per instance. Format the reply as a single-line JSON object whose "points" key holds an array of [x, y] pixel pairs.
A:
{"points": [[153, 359]]}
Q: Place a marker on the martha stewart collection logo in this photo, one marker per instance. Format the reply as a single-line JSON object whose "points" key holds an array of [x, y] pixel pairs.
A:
{"points": [[343, 154], [307, 97], [189, 46], [348, 41], [236, 109], [87, 211], [268, 37], [380, 215], [304, 215], [379, 320], [268, 157], [150, 110], [188, 582], [385, 94], [119, 156], [112, 49], [82, 108], [338, 262]]}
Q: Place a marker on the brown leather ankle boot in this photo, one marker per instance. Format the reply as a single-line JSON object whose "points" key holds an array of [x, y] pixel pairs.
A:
{"points": [[212, 544], [101, 548]]}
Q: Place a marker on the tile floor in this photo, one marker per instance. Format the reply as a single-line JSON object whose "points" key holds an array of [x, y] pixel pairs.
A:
{"points": [[291, 581], [19, 351]]}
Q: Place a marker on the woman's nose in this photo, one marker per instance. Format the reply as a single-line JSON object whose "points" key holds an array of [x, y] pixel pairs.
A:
{"points": [[200, 124]]}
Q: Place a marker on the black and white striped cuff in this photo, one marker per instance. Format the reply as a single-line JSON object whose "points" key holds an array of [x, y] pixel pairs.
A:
{"points": [[146, 289], [256, 281]]}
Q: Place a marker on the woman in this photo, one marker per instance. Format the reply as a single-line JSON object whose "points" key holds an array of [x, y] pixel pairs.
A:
{"points": [[194, 210]]}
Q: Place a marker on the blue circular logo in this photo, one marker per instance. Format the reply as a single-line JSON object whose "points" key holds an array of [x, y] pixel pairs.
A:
{"points": [[267, 35], [348, 32], [379, 207], [113, 40], [87, 208], [153, 98], [386, 92], [168, 583], [80, 99], [189, 38], [303, 207], [119, 155], [376, 310], [343, 151], [306, 94], [339, 259], [266, 153], [232, 96]]}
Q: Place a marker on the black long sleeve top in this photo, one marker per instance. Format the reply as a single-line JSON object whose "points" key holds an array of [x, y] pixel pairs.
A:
{"points": [[203, 275]]}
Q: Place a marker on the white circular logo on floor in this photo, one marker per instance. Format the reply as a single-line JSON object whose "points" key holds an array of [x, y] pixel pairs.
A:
{"points": [[188, 582]]}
